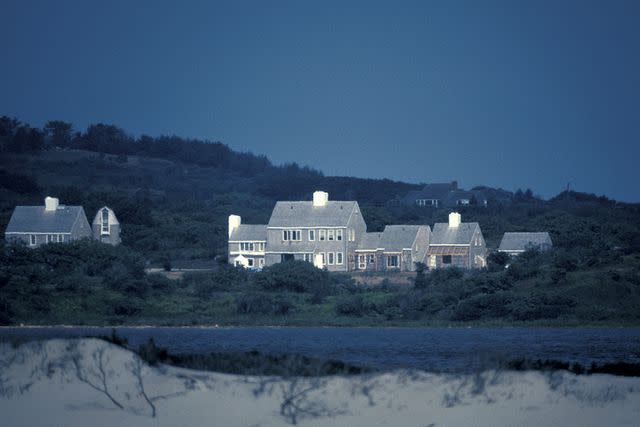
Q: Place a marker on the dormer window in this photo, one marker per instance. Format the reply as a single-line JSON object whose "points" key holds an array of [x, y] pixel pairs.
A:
{"points": [[105, 221]]}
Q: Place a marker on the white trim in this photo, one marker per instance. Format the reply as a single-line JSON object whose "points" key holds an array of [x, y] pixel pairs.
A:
{"points": [[246, 253], [247, 241], [449, 244]]}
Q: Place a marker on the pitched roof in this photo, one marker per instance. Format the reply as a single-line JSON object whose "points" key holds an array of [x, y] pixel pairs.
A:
{"points": [[250, 232], [523, 241], [369, 241], [437, 191], [304, 214], [35, 219], [442, 234], [398, 237]]}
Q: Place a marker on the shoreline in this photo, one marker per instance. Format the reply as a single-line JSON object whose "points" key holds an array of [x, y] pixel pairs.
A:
{"points": [[216, 326]]}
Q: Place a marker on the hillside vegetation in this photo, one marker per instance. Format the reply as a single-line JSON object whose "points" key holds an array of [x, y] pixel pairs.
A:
{"points": [[173, 197]]}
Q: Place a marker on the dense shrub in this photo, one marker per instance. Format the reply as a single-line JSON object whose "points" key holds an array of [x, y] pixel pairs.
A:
{"points": [[253, 303], [492, 306], [294, 276], [355, 306]]}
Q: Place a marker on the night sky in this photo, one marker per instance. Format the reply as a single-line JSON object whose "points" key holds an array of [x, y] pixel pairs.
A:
{"points": [[508, 94]]}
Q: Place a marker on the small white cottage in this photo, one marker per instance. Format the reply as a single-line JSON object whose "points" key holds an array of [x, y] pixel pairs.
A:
{"points": [[106, 227]]}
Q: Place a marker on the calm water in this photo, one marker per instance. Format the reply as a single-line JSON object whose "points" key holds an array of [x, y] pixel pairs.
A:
{"points": [[438, 349]]}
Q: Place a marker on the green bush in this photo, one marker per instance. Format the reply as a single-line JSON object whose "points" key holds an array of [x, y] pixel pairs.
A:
{"points": [[253, 303]]}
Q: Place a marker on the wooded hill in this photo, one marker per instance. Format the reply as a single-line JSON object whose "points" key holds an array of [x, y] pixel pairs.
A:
{"points": [[173, 197]]}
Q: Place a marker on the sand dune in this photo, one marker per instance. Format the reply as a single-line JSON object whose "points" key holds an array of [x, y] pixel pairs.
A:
{"points": [[89, 382]]}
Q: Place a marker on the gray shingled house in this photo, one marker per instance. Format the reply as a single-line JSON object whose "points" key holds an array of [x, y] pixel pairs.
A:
{"points": [[444, 195], [247, 243], [51, 223], [517, 243], [397, 248], [106, 227], [432, 195], [456, 243], [325, 232]]}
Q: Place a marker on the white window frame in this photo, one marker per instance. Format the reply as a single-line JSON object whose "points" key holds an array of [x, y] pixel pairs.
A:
{"points": [[362, 262], [32, 239], [260, 262], [105, 227], [393, 257], [331, 235], [312, 235], [331, 258], [339, 234], [308, 257], [339, 258], [250, 262], [322, 235], [324, 258], [285, 235]]}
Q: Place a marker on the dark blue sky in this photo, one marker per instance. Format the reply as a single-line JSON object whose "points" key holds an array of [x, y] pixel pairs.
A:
{"points": [[511, 93]]}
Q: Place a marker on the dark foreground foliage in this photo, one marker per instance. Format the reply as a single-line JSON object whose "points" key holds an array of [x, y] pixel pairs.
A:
{"points": [[615, 368], [248, 363]]}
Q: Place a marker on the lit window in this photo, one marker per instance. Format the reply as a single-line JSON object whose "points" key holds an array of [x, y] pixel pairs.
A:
{"points": [[105, 221], [339, 234], [330, 256], [312, 235], [339, 259], [330, 234], [322, 235]]}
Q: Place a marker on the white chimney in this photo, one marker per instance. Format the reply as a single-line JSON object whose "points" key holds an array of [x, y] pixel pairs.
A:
{"points": [[234, 222], [320, 198], [454, 219], [51, 203]]}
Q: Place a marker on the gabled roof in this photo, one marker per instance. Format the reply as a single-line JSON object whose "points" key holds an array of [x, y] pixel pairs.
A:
{"points": [[442, 234], [394, 238], [524, 241], [436, 191], [369, 241], [399, 237], [35, 219], [304, 214], [250, 232], [113, 220]]}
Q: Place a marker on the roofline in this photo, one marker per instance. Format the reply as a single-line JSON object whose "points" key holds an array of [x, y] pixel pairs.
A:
{"points": [[306, 227], [37, 232]]}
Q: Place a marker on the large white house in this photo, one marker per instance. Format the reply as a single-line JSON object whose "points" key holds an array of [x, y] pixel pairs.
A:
{"points": [[332, 234]]}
